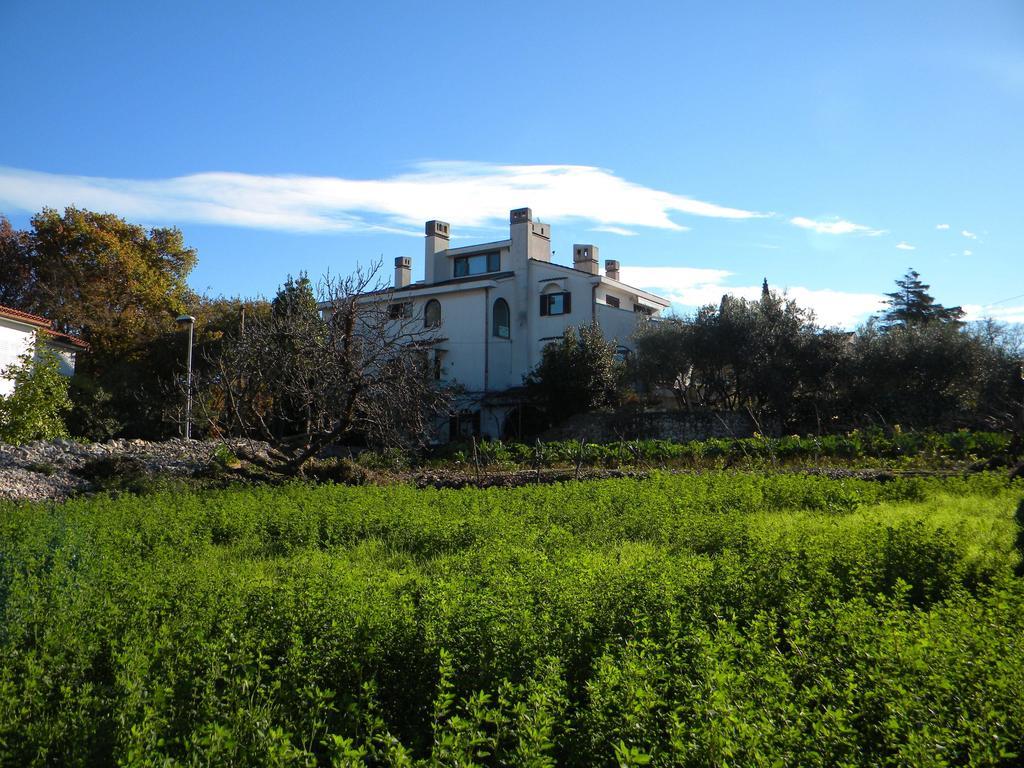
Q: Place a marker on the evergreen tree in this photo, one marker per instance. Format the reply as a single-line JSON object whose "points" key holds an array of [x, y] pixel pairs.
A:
{"points": [[911, 304], [577, 373]]}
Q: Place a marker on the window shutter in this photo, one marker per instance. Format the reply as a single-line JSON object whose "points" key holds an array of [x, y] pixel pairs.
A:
{"points": [[568, 302], [543, 305]]}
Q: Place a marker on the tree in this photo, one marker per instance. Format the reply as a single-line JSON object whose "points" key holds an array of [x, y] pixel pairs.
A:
{"points": [[766, 357], [911, 303], [34, 410], [925, 375], [15, 266], [111, 282], [119, 287], [664, 359], [301, 382], [577, 373]]}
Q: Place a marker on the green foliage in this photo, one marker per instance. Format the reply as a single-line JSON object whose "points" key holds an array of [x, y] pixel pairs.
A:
{"points": [[918, 365], [911, 304], [295, 297], [117, 285], [35, 409], [95, 415], [766, 356], [711, 619], [857, 449], [577, 373]]}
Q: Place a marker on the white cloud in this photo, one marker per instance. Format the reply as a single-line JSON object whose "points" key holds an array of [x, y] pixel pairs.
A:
{"points": [[690, 287], [969, 235], [834, 226], [618, 230], [466, 193], [1002, 314], [906, 247], [942, 226], [968, 253]]}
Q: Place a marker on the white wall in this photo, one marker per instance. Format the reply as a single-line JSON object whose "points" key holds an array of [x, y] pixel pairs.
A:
{"points": [[15, 339], [618, 324]]}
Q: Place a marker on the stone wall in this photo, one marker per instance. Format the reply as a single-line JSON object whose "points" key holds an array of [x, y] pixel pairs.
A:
{"points": [[678, 426]]}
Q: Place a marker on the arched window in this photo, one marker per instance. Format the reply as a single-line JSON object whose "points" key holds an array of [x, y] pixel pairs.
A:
{"points": [[432, 314], [502, 323]]}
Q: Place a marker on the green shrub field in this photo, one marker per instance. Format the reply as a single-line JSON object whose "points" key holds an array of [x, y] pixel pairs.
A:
{"points": [[727, 619], [871, 447]]}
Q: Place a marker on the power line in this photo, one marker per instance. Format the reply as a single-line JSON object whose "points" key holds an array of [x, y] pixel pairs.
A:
{"points": [[1003, 301]]}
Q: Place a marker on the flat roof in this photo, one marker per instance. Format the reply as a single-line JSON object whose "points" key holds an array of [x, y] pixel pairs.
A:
{"points": [[466, 249]]}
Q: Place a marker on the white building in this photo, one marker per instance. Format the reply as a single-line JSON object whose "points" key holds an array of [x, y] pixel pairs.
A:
{"points": [[490, 309], [17, 333]]}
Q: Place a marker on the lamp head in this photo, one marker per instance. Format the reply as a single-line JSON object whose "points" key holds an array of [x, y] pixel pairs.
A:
{"points": [[185, 320]]}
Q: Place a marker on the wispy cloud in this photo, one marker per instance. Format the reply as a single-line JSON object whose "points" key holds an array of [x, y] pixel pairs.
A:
{"points": [[1013, 314], [968, 235], [690, 287], [942, 226], [617, 230], [968, 253], [834, 226], [906, 247], [466, 193]]}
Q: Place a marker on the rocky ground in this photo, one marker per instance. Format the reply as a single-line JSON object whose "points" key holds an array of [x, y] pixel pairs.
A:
{"points": [[58, 469]]}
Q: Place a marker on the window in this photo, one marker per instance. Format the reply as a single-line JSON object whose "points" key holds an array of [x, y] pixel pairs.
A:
{"points": [[502, 323], [400, 310], [432, 314], [556, 303], [611, 301], [464, 425], [429, 362], [477, 264]]}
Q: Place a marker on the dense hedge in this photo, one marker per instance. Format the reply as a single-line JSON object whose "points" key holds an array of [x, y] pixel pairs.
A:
{"points": [[852, 447], [722, 619]]}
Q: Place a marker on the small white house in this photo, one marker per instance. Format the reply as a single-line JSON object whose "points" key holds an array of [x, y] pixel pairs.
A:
{"points": [[489, 310], [17, 333]]}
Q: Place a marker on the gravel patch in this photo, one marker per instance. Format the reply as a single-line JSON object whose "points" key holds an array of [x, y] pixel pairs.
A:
{"points": [[43, 470]]}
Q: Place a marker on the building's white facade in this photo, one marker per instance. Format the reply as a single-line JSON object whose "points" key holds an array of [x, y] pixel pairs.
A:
{"points": [[17, 334], [490, 309]]}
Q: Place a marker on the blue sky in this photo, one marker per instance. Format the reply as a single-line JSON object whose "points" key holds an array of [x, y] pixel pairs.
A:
{"points": [[704, 145]]}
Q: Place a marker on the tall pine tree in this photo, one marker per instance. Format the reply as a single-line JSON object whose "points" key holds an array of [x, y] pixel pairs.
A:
{"points": [[911, 304]]}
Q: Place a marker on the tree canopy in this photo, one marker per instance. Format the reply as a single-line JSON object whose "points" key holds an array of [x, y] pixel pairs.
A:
{"points": [[911, 304], [577, 373]]}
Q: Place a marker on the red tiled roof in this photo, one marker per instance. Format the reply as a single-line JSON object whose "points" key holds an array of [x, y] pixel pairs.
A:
{"points": [[25, 317], [43, 324], [67, 338]]}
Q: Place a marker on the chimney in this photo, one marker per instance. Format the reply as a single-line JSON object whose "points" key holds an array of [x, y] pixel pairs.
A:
{"points": [[403, 271], [611, 269], [436, 244], [530, 239], [584, 258]]}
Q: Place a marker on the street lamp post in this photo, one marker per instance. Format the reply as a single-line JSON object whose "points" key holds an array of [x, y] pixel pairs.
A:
{"points": [[191, 323]]}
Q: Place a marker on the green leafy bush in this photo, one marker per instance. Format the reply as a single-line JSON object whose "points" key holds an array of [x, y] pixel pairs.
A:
{"points": [[720, 618], [35, 409]]}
